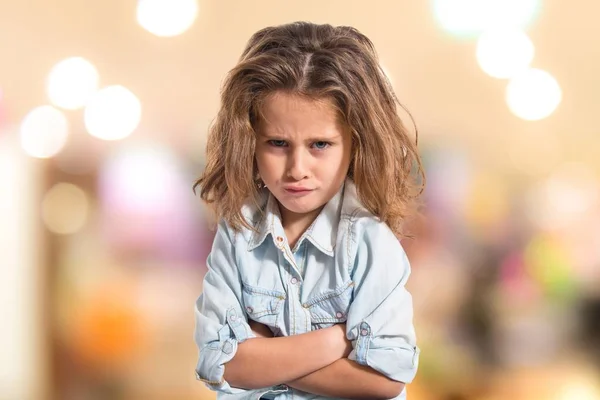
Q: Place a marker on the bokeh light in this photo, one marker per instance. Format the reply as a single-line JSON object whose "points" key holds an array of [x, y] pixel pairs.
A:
{"points": [[65, 208], [106, 329], [141, 178], [504, 52], [568, 195], [145, 203], [533, 94], [578, 389], [113, 113], [71, 83], [471, 17], [167, 17], [547, 262], [44, 132]]}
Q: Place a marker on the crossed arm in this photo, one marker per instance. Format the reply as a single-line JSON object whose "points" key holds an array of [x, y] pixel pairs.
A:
{"points": [[314, 362], [321, 361]]}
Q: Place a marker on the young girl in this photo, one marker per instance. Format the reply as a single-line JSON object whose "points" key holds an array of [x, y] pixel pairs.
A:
{"points": [[311, 174]]}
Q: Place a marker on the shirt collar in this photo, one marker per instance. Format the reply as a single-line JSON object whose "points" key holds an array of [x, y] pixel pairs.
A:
{"points": [[322, 233], [269, 223]]}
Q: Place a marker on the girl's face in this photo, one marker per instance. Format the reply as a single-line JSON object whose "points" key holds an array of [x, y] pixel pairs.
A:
{"points": [[303, 153]]}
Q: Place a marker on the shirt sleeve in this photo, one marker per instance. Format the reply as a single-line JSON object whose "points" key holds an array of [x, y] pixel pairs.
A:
{"points": [[380, 318], [221, 323]]}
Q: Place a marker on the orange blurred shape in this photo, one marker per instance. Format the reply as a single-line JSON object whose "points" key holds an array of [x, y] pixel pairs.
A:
{"points": [[107, 331]]}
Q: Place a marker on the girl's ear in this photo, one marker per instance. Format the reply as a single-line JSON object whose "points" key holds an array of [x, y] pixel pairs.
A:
{"points": [[259, 182]]}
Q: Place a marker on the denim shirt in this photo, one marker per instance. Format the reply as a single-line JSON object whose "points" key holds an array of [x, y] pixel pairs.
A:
{"points": [[348, 267]]}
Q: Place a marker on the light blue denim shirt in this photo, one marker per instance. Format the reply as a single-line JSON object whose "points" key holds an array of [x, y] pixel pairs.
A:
{"points": [[348, 267]]}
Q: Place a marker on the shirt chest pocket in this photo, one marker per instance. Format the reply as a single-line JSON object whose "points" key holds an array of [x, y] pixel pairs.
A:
{"points": [[262, 305], [332, 306]]}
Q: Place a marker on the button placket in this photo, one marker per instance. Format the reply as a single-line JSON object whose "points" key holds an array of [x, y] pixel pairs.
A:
{"points": [[300, 318], [292, 264]]}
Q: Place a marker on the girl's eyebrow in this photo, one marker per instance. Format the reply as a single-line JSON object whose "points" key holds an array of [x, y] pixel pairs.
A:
{"points": [[311, 139]]}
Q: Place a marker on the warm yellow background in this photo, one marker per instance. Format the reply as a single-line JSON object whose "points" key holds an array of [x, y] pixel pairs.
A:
{"points": [[506, 263]]}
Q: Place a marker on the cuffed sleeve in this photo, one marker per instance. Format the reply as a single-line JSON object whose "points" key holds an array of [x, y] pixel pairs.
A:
{"points": [[380, 317], [221, 323]]}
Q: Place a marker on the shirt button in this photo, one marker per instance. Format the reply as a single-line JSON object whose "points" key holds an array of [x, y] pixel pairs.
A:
{"points": [[339, 314], [249, 309], [227, 348], [364, 332], [279, 239], [294, 281]]}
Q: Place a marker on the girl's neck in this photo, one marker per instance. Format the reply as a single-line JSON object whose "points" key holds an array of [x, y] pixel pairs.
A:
{"points": [[295, 224]]}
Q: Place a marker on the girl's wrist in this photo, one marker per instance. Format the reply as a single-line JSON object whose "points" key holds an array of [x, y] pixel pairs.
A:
{"points": [[338, 343]]}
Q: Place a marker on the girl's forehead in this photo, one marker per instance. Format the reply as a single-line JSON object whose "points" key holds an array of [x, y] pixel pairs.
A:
{"points": [[283, 109], [279, 102]]}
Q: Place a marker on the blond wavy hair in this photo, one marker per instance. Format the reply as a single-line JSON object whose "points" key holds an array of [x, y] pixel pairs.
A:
{"points": [[319, 62]]}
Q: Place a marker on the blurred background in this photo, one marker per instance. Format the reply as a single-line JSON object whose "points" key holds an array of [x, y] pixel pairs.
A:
{"points": [[104, 109]]}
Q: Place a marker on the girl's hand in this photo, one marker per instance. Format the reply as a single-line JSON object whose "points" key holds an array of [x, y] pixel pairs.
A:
{"points": [[260, 330]]}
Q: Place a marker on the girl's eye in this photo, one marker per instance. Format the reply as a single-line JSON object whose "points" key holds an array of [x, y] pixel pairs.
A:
{"points": [[277, 143], [321, 145]]}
